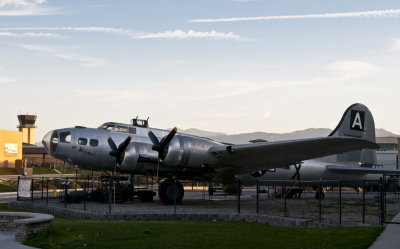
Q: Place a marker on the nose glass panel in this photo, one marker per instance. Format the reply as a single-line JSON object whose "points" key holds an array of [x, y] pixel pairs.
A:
{"points": [[46, 141], [50, 141]]}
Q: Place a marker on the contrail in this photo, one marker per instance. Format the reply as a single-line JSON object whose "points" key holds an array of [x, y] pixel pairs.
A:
{"points": [[372, 13]]}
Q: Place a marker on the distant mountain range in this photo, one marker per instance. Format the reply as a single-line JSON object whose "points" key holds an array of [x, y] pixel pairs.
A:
{"points": [[246, 137]]}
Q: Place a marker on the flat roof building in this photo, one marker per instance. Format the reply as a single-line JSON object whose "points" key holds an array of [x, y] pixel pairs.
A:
{"points": [[388, 153], [10, 147]]}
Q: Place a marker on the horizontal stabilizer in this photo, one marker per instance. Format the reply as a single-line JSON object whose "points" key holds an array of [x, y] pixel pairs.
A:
{"points": [[362, 170]]}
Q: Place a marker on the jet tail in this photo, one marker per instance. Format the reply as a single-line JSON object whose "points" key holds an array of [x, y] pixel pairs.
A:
{"points": [[357, 121]]}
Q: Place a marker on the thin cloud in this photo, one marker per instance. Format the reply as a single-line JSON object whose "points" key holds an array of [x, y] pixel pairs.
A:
{"points": [[86, 61], [30, 34], [25, 8], [115, 31], [107, 95], [169, 34], [180, 34], [360, 14], [350, 69], [6, 80], [343, 70], [395, 45]]}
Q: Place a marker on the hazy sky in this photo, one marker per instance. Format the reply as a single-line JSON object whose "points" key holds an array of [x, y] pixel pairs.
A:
{"points": [[220, 65]]}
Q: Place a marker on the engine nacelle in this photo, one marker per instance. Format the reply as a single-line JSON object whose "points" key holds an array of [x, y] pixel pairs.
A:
{"points": [[174, 153], [130, 162]]}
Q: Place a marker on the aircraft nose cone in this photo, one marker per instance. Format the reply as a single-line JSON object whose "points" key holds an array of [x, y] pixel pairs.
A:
{"points": [[46, 141]]}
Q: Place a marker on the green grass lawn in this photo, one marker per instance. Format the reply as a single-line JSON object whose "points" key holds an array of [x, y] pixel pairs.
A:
{"points": [[73, 233], [7, 188], [43, 171], [8, 171]]}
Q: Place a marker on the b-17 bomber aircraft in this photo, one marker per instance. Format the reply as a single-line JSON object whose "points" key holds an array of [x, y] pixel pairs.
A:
{"points": [[139, 150]]}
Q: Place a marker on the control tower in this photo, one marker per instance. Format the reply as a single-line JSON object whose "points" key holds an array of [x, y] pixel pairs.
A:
{"points": [[27, 127]]}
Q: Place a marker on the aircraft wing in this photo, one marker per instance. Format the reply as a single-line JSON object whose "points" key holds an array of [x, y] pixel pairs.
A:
{"points": [[262, 156], [362, 170]]}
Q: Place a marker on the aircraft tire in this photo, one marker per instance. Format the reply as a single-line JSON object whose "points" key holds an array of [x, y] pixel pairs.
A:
{"points": [[167, 190]]}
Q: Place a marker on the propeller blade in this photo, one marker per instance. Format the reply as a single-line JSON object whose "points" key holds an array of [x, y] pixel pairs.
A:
{"points": [[153, 138], [119, 152], [166, 140], [124, 144], [162, 146], [113, 147]]}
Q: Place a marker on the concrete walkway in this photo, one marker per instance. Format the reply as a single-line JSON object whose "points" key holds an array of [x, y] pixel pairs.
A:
{"points": [[390, 237], [7, 240]]}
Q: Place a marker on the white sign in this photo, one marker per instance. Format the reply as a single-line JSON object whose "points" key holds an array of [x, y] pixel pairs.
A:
{"points": [[11, 149], [24, 188]]}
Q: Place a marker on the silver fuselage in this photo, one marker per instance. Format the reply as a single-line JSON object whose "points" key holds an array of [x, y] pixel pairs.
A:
{"points": [[187, 154], [310, 172], [187, 157]]}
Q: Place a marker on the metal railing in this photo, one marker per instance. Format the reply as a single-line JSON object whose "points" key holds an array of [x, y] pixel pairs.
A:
{"points": [[334, 202]]}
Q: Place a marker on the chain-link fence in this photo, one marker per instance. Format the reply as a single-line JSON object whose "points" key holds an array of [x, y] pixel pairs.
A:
{"points": [[332, 202]]}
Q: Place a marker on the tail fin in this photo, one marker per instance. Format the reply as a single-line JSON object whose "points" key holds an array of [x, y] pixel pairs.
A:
{"points": [[357, 121]]}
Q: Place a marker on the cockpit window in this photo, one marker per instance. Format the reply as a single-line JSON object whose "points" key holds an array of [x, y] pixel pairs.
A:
{"points": [[120, 128], [94, 142], [65, 137], [54, 140], [82, 141], [107, 127]]}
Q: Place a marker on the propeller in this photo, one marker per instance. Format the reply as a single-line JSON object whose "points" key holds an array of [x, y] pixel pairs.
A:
{"points": [[297, 167], [162, 146], [118, 152]]}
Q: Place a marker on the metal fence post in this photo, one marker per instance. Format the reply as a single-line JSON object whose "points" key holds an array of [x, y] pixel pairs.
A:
{"points": [[42, 187], [384, 198], [65, 192], [110, 198], [284, 197], [92, 180], [340, 202], [258, 194], [238, 197], [381, 201], [175, 196], [84, 196], [88, 182], [319, 200], [32, 191], [363, 203], [47, 191], [18, 188], [76, 176]]}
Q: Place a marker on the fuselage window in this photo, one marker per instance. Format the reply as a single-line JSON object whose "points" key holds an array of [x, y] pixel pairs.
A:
{"points": [[132, 130], [65, 137], [82, 141], [120, 128], [94, 142]]}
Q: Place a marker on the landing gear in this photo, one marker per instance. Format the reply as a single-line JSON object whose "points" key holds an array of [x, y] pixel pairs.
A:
{"points": [[170, 191]]}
